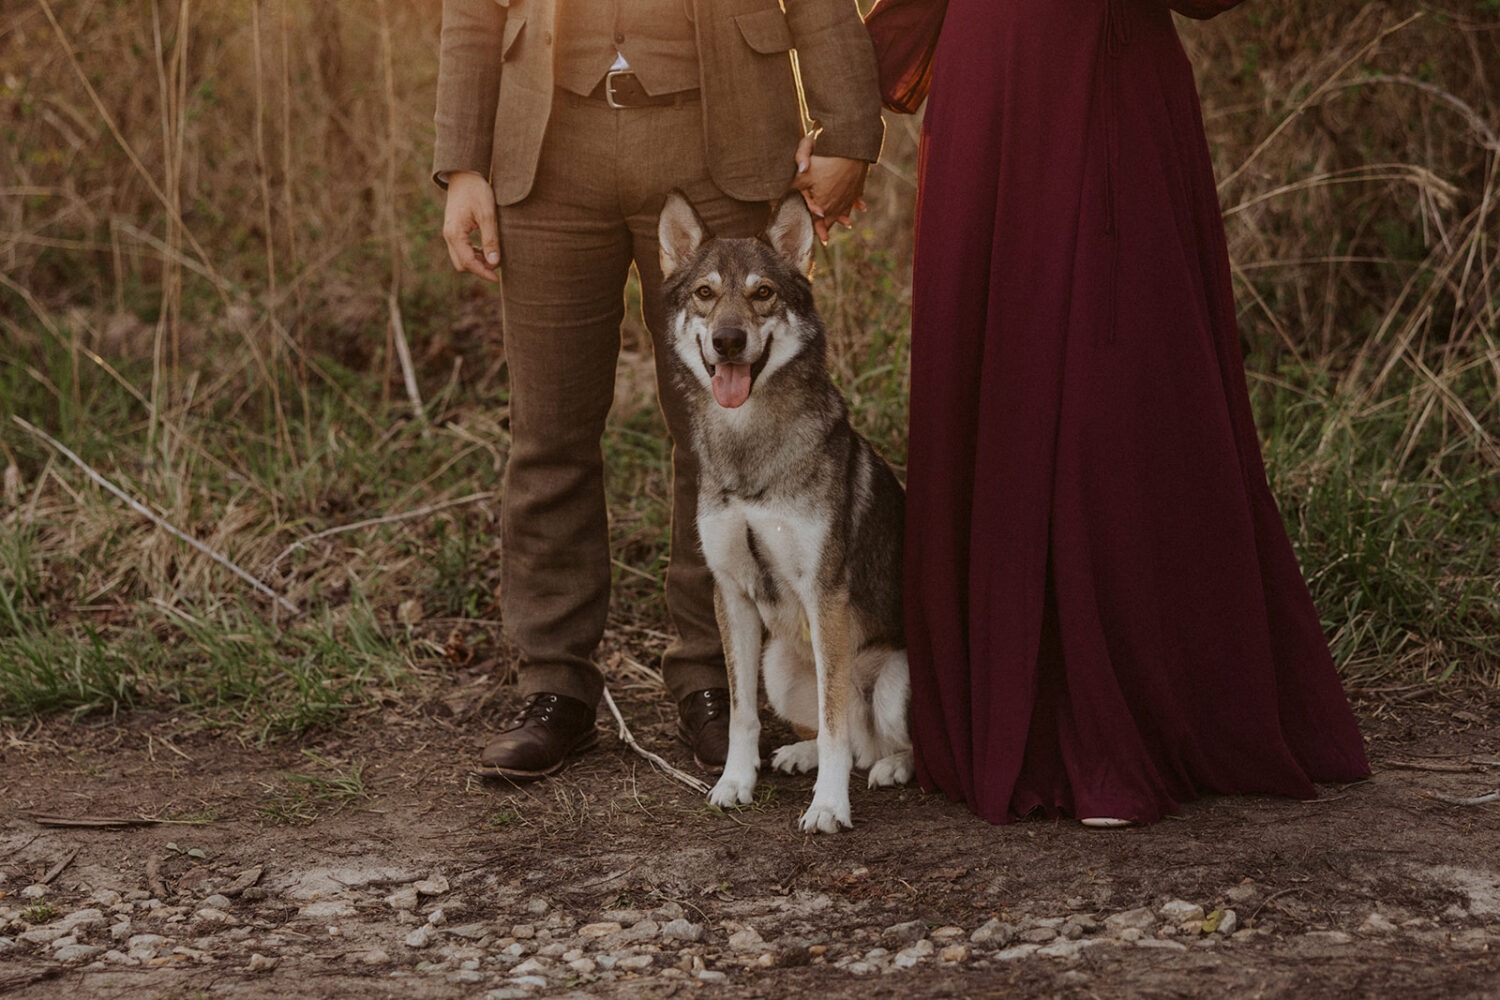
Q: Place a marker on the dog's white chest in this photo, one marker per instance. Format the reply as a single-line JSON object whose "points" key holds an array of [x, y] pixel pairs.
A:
{"points": [[764, 551]]}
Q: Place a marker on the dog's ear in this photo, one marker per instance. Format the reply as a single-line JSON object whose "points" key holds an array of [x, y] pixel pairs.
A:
{"points": [[679, 232], [791, 232]]}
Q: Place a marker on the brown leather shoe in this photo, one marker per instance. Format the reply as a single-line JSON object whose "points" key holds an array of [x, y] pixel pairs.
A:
{"points": [[538, 742], [703, 724]]}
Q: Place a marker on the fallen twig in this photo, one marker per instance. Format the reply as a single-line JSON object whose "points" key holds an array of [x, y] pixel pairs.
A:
{"points": [[1417, 765], [155, 518], [373, 521], [1476, 800], [45, 819], [657, 762], [57, 869]]}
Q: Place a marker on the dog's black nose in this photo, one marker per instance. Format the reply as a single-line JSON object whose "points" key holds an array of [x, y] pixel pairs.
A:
{"points": [[729, 341]]}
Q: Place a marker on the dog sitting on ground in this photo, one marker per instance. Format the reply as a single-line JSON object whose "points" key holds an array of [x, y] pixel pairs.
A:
{"points": [[800, 518]]}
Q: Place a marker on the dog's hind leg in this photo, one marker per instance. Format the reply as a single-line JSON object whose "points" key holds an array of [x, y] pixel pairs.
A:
{"points": [[792, 689], [740, 625], [889, 704], [830, 627]]}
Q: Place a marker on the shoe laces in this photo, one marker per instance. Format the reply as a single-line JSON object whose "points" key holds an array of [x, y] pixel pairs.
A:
{"points": [[540, 707], [713, 703]]}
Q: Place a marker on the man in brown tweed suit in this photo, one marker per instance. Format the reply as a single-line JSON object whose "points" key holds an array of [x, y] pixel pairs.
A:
{"points": [[575, 118]]}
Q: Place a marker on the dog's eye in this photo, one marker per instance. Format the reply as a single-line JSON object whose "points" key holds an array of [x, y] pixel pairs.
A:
{"points": [[704, 292], [763, 292]]}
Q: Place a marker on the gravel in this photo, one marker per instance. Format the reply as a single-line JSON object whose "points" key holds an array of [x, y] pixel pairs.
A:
{"points": [[496, 949]]}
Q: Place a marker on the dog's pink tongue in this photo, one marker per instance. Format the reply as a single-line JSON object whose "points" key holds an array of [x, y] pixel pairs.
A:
{"points": [[731, 385]]}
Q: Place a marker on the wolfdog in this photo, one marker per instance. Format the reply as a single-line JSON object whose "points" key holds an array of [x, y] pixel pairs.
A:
{"points": [[800, 518]]}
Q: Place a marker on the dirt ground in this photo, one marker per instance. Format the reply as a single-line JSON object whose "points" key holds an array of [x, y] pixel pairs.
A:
{"points": [[399, 874]]}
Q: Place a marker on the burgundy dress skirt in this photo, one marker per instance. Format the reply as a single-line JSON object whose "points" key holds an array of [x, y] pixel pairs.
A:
{"points": [[1105, 616]]}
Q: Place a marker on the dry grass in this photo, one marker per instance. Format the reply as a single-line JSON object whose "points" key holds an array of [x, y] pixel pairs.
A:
{"points": [[221, 286]]}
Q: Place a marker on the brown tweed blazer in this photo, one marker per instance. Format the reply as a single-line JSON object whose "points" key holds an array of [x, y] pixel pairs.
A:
{"points": [[495, 88]]}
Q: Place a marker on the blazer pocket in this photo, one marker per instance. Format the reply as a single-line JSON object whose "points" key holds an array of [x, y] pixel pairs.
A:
{"points": [[765, 31], [513, 26]]}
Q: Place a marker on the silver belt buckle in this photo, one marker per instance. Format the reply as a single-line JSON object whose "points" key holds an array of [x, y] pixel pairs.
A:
{"points": [[609, 88]]}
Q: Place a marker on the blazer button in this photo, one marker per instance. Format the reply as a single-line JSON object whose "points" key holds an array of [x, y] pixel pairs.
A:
{"points": [[547, 38]]}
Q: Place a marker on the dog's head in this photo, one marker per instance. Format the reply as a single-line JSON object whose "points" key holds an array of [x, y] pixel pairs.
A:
{"points": [[737, 309]]}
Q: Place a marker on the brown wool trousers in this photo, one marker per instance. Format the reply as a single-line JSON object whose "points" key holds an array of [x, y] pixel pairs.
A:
{"points": [[566, 253]]}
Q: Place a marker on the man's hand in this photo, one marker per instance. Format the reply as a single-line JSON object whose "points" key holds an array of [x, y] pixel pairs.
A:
{"points": [[471, 207], [831, 185]]}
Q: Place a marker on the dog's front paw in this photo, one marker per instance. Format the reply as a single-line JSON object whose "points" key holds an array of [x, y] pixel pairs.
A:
{"points": [[824, 817], [897, 769], [796, 758], [733, 790]]}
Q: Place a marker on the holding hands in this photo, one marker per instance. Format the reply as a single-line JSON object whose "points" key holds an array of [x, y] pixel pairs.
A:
{"points": [[832, 186]]}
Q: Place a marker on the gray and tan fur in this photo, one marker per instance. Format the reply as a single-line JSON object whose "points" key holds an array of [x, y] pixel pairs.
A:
{"points": [[801, 520]]}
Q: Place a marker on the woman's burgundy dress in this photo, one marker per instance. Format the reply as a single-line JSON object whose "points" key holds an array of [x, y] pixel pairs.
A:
{"points": [[1105, 617]]}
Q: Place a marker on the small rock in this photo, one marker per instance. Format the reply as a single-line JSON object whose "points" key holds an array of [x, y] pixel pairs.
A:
{"points": [[1229, 922], [954, 953], [908, 957], [1328, 937], [404, 899], [218, 901], [77, 953], [745, 939], [1038, 935], [375, 956], [682, 930], [523, 931], [536, 982], [421, 937], [325, 909], [1180, 911], [262, 963], [469, 976], [120, 931], [210, 915], [1377, 923], [537, 906], [64, 941], [84, 919], [949, 933], [1061, 949], [859, 968], [435, 886], [642, 930], [583, 966], [993, 932], [44, 935], [104, 897], [1160, 944], [1018, 951], [635, 963], [904, 933], [471, 932], [599, 929], [1141, 917], [1242, 893], [437, 917], [120, 958], [711, 976], [531, 967], [34, 892]]}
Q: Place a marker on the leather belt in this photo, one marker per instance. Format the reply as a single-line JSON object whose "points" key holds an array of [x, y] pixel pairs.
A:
{"points": [[623, 90]]}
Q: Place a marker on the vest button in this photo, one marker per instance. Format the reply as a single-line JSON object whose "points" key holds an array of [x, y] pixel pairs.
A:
{"points": [[619, 38]]}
